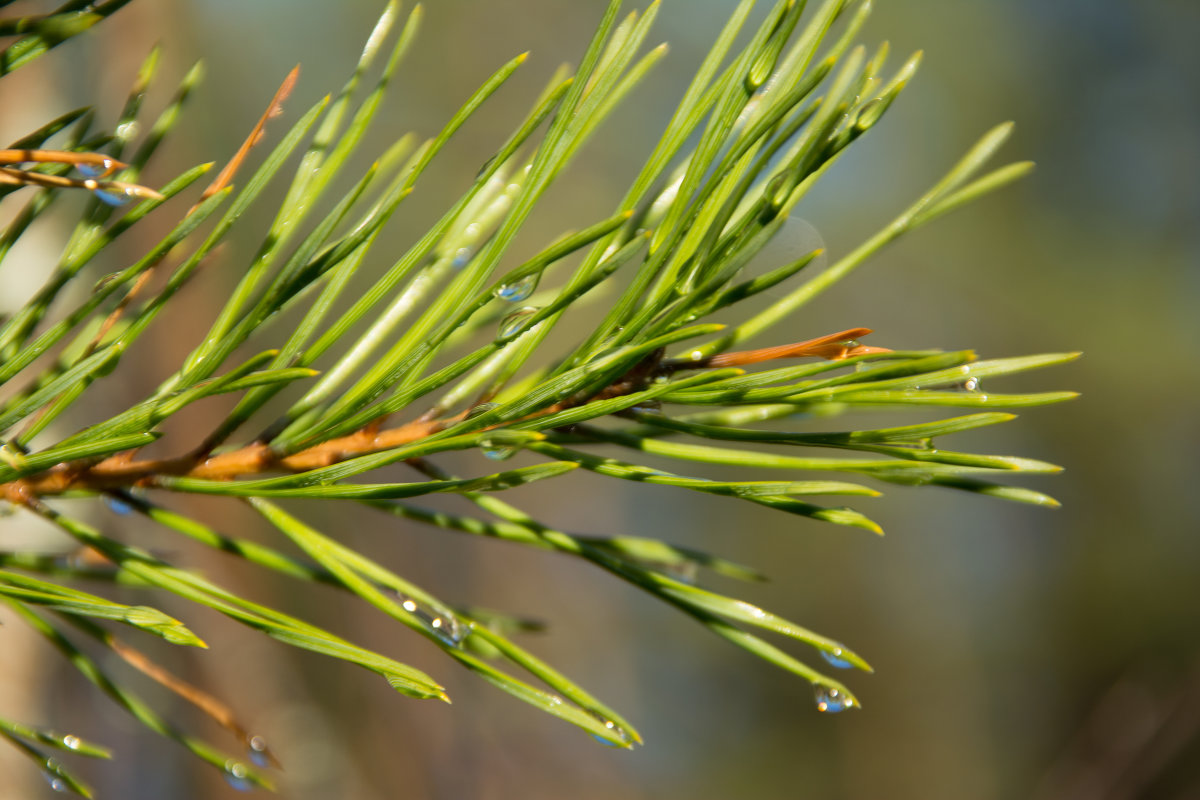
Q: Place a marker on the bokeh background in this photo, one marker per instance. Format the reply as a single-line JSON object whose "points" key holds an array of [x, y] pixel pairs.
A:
{"points": [[1019, 652]]}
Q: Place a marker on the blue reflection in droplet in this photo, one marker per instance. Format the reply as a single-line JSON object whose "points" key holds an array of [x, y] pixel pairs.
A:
{"points": [[237, 776], [517, 291], [831, 700], [514, 322], [835, 658], [111, 198]]}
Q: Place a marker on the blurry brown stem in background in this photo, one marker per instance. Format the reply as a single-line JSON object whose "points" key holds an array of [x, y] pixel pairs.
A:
{"points": [[221, 713], [1132, 737]]}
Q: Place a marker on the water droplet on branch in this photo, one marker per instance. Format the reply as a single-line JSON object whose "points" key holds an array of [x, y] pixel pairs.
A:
{"points": [[620, 733], [238, 776], [117, 506], [52, 772], [440, 622], [518, 290], [127, 130], [495, 451], [513, 323], [834, 657], [256, 751], [684, 571], [113, 197], [96, 170], [831, 700]]}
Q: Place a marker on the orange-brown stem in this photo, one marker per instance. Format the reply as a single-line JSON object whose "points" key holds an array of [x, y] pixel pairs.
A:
{"points": [[118, 471], [121, 471], [833, 346], [274, 109], [19, 177], [109, 163], [219, 711]]}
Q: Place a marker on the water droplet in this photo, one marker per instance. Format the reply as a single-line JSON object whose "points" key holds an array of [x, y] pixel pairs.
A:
{"points": [[518, 290], [440, 622], [127, 130], [113, 198], [683, 571], [696, 355], [52, 772], [971, 384], [619, 732], [70, 742], [96, 170], [449, 629], [831, 700], [238, 776], [850, 343], [461, 256], [514, 323], [256, 751], [473, 230], [85, 558], [117, 506], [834, 657], [496, 451]]}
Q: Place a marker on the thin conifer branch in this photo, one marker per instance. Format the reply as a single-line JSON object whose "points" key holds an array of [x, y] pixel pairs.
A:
{"points": [[448, 350]]}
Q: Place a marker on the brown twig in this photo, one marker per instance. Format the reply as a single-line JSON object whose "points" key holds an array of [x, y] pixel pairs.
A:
{"points": [[832, 346], [107, 163], [121, 471], [274, 109], [20, 177]]}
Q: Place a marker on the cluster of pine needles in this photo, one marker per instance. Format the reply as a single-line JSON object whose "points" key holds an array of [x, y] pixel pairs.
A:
{"points": [[448, 350]]}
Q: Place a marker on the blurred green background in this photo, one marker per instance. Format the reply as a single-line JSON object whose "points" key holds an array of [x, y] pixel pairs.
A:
{"points": [[1019, 652]]}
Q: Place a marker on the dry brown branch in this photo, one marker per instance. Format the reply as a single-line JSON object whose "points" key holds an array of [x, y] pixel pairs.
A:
{"points": [[274, 109]]}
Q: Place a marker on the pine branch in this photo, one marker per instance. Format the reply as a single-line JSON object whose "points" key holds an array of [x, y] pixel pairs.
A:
{"points": [[441, 353]]}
